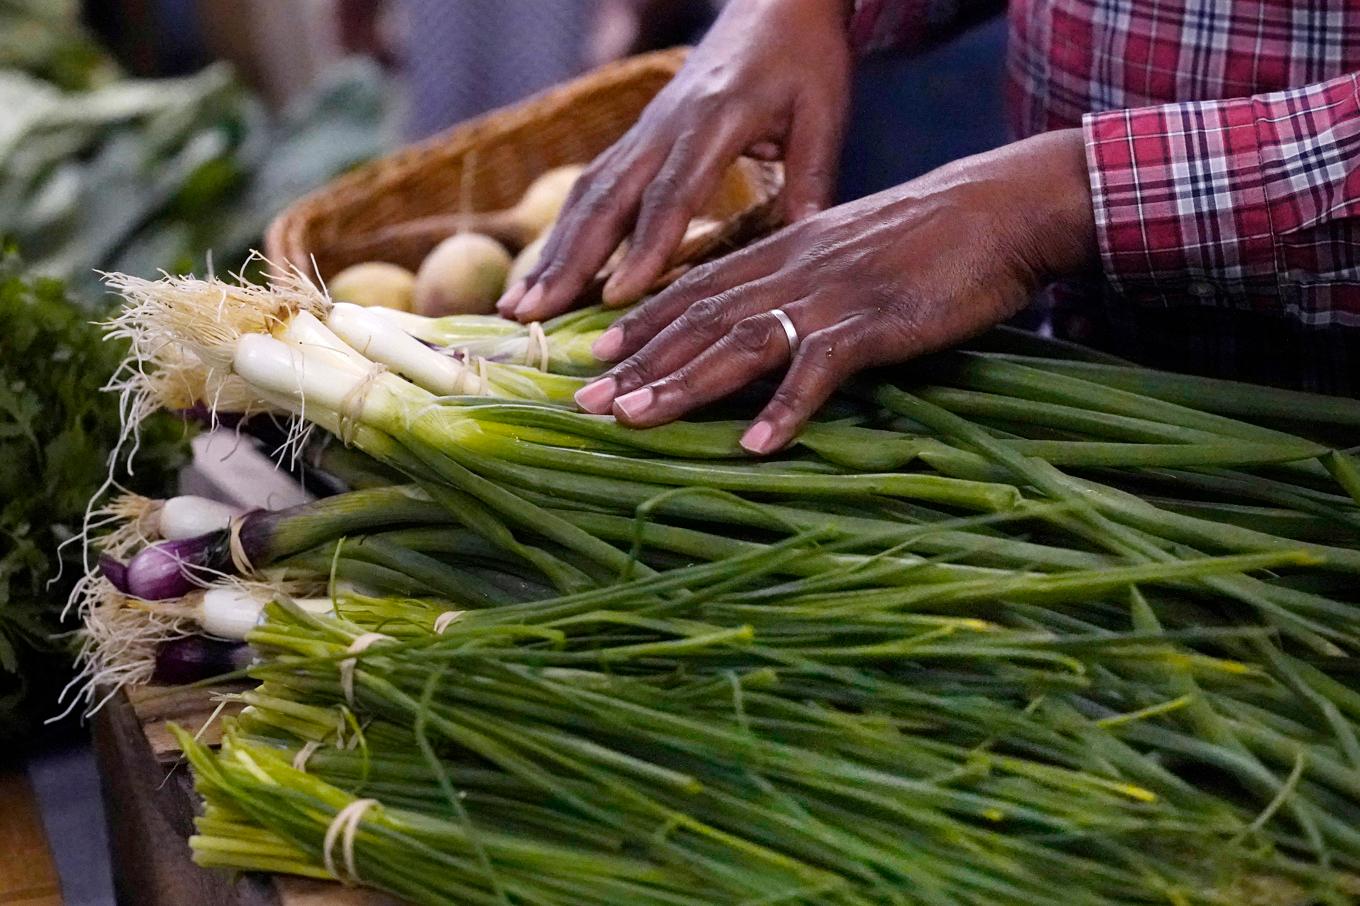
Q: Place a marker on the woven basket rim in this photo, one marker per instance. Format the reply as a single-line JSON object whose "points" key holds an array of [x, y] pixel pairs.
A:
{"points": [[411, 155]]}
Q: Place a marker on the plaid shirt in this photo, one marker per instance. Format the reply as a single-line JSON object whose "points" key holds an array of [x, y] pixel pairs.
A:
{"points": [[1223, 140]]}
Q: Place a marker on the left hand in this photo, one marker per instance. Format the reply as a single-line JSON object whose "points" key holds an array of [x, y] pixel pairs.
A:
{"points": [[916, 268]]}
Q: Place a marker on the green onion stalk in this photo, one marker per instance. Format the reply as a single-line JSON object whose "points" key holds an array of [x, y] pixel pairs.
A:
{"points": [[300, 364], [183, 333], [560, 345], [442, 442], [421, 858], [584, 447], [448, 441], [953, 742], [353, 552], [1088, 631], [1229, 398]]}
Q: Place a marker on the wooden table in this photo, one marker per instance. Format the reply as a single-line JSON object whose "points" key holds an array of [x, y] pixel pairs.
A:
{"points": [[28, 876], [150, 804]]}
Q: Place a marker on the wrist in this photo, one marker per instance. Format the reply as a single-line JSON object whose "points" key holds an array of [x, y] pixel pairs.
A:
{"points": [[1031, 199], [1055, 184]]}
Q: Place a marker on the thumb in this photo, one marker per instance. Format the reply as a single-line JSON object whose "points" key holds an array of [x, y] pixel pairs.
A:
{"points": [[812, 153]]}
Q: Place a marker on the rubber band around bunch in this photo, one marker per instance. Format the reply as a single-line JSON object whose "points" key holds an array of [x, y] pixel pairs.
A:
{"points": [[446, 619], [347, 666], [239, 559], [352, 404], [343, 828], [537, 347]]}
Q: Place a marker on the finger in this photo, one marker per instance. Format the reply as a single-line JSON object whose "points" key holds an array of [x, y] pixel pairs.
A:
{"points": [[586, 235], [765, 150], [611, 157], [700, 326], [810, 160], [754, 346], [825, 359], [682, 185], [515, 292], [634, 330]]}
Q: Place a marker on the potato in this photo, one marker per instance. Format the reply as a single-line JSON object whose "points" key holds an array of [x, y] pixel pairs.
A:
{"points": [[464, 274], [543, 200], [374, 283], [525, 260]]}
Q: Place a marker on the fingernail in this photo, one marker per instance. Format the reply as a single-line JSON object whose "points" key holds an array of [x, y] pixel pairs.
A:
{"points": [[610, 293], [597, 395], [757, 438], [805, 210], [634, 404], [529, 303], [510, 298], [608, 345]]}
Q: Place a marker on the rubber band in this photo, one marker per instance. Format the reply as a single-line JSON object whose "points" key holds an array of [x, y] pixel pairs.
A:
{"points": [[340, 727], [442, 621], [538, 343], [343, 827], [352, 403], [304, 754], [483, 379], [239, 561], [348, 664]]}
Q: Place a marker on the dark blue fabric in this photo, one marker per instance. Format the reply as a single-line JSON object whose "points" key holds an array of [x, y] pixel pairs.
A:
{"points": [[913, 113]]}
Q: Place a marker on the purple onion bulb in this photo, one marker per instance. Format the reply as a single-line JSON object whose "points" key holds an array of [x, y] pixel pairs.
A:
{"points": [[172, 569], [115, 571], [195, 658]]}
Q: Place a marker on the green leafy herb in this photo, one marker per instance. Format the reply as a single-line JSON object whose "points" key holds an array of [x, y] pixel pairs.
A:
{"points": [[57, 429]]}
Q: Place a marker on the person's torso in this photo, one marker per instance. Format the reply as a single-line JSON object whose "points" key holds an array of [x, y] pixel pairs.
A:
{"points": [[1069, 57]]}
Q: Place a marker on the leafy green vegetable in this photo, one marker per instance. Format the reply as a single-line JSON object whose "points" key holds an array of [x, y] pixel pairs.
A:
{"points": [[143, 175], [57, 429], [46, 39]]}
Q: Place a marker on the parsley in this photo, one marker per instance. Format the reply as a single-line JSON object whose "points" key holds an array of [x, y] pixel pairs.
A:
{"points": [[56, 431]]}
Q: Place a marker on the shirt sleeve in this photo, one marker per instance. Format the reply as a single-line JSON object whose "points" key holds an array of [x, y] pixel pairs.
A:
{"points": [[913, 24], [1251, 202]]}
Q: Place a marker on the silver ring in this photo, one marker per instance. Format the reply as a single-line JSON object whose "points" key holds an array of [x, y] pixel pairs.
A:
{"points": [[790, 332]]}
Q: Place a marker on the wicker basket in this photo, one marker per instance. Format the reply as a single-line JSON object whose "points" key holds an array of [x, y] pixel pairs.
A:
{"points": [[506, 149]]}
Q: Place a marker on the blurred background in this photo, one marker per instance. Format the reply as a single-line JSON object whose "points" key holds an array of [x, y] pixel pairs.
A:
{"points": [[148, 135]]}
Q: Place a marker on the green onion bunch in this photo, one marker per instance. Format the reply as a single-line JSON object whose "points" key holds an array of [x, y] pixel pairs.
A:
{"points": [[705, 724], [1017, 619], [560, 345]]}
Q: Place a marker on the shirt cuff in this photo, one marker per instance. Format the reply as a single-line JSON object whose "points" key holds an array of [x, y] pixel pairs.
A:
{"points": [[1215, 200], [1180, 204]]}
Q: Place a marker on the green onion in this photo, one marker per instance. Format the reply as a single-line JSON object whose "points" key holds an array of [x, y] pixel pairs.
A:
{"points": [[1005, 625]]}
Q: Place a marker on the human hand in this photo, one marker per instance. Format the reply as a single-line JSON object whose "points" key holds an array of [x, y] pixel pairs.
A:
{"points": [[913, 269], [770, 79]]}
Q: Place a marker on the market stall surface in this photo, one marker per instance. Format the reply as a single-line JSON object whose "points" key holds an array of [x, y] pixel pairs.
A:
{"points": [[53, 843]]}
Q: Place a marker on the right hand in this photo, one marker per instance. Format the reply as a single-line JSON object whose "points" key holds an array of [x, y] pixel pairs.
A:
{"points": [[771, 80]]}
